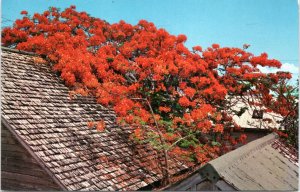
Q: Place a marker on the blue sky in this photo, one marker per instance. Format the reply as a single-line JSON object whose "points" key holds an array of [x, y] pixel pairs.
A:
{"points": [[269, 26]]}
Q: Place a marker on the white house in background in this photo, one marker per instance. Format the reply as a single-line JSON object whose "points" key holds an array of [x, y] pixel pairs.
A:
{"points": [[254, 118]]}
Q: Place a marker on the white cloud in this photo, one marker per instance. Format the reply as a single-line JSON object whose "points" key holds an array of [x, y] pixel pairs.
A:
{"points": [[288, 67], [285, 67]]}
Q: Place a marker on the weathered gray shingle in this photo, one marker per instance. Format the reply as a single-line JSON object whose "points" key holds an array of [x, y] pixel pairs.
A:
{"points": [[264, 164], [36, 104], [259, 165]]}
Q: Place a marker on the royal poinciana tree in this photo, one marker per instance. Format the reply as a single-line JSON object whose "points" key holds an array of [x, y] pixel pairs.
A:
{"points": [[177, 100]]}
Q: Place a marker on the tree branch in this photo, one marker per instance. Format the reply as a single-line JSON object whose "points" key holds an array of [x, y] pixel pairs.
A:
{"points": [[179, 141]]}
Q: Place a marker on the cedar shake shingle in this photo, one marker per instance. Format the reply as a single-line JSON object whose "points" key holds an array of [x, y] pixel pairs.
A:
{"points": [[36, 105]]}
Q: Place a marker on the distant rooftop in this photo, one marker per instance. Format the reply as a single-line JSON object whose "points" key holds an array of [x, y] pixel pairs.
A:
{"points": [[254, 117], [263, 164]]}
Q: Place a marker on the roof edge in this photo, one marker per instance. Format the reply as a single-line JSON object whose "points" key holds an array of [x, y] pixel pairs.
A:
{"points": [[18, 51], [242, 151], [185, 183], [29, 150], [210, 173]]}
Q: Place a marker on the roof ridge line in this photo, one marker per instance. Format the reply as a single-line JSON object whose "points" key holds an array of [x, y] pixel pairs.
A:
{"points": [[242, 152], [19, 51]]}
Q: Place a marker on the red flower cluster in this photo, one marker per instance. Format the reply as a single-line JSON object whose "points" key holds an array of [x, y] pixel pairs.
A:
{"points": [[165, 109]]}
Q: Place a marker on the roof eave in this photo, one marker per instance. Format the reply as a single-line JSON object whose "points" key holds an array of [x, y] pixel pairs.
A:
{"points": [[30, 151], [19, 51]]}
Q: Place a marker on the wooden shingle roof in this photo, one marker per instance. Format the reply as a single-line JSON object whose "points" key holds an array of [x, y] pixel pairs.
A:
{"points": [[259, 165], [37, 109], [263, 164]]}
